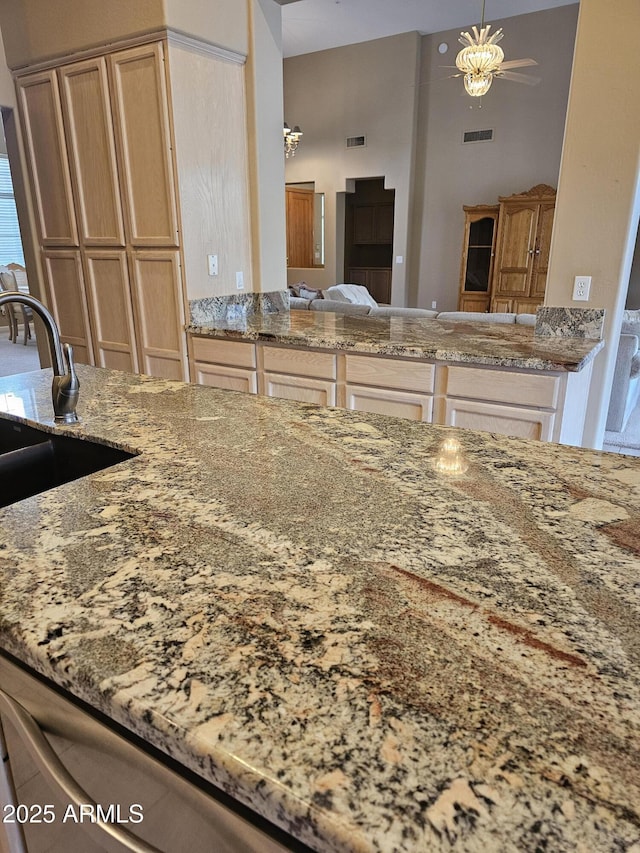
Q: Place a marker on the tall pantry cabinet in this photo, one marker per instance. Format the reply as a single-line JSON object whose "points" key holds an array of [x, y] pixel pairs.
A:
{"points": [[98, 136]]}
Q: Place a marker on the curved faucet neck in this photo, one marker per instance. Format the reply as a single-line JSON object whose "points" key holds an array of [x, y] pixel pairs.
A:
{"points": [[53, 335]]}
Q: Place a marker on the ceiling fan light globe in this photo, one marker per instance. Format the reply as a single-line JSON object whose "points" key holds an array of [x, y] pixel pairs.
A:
{"points": [[478, 85], [479, 58]]}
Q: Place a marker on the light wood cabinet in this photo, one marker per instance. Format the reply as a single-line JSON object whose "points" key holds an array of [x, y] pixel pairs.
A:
{"points": [[478, 253], [98, 136], [91, 147], [522, 250], [542, 405], [44, 135], [230, 365], [159, 311], [139, 102], [110, 309], [68, 302]]}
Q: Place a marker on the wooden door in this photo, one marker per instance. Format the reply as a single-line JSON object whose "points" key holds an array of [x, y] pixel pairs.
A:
{"points": [[92, 155], [379, 285], [299, 209], [541, 251], [159, 314], [139, 100], [110, 309], [39, 100], [65, 284], [516, 243]]}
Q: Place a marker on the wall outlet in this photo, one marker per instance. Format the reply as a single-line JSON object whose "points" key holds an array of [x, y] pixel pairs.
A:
{"points": [[212, 263], [434, 305], [240, 280], [581, 287]]}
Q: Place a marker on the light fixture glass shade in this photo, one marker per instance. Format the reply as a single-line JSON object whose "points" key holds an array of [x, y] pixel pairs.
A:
{"points": [[478, 85], [291, 139], [480, 53]]}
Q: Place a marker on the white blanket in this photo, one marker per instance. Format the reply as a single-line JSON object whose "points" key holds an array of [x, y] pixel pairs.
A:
{"points": [[356, 294]]}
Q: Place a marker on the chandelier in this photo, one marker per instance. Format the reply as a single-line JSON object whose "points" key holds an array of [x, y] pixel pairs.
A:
{"points": [[291, 139], [479, 59]]}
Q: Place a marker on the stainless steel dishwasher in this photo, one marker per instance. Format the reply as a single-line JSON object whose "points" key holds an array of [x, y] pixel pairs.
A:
{"points": [[94, 771]]}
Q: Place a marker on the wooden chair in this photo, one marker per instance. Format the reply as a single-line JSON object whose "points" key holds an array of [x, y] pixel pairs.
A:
{"points": [[8, 281]]}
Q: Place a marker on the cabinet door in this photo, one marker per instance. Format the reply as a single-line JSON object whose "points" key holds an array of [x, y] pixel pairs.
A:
{"points": [[141, 117], [383, 401], [110, 309], [504, 420], [159, 314], [541, 251], [67, 300], [302, 389], [363, 223], [358, 276], [85, 100], [379, 284], [223, 376], [383, 224], [515, 249], [44, 138]]}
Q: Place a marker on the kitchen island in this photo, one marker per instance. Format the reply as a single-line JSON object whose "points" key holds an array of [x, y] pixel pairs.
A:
{"points": [[497, 377], [380, 635]]}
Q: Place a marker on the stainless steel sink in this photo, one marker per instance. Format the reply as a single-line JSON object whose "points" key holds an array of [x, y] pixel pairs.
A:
{"points": [[33, 461]]}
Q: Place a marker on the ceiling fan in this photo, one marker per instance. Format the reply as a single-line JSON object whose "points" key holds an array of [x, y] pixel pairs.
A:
{"points": [[481, 60]]}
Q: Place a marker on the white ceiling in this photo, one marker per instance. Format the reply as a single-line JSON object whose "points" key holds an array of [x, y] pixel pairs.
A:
{"points": [[310, 25]]}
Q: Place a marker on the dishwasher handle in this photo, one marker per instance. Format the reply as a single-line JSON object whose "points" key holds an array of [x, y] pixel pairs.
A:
{"points": [[111, 837]]}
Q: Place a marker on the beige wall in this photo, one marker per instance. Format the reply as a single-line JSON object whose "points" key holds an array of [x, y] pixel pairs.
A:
{"points": [[528, 125], [209, 119], [37, 30], [598, 203], [364, 89]]}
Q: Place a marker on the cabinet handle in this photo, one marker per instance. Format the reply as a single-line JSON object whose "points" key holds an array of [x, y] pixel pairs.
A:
{"points": [[59, 777]]}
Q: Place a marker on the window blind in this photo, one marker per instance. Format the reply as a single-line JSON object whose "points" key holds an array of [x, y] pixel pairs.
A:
{"points": [[10, 241]]}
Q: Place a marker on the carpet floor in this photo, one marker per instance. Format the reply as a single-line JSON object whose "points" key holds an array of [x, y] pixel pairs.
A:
{"points": [[630, 438], [17, 358]]}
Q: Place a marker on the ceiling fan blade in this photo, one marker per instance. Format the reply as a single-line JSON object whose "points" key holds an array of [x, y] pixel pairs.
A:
{"points": [[518, 78], [517, 63]]}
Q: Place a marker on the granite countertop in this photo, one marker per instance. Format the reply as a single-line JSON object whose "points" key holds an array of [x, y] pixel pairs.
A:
{"points": [[505, 344], [381, 635]]}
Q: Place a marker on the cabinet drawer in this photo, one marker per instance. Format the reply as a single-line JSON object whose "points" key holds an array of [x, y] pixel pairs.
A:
{"points": [[390, 373], [525, 389], [321, 365], [381, 401], [235, 353], [228, 378], [301, 389], [504, 420]]}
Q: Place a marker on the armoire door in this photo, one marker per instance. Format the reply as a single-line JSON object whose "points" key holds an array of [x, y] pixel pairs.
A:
{"points": [[43, 126], [542, 250], [90, 142], [159, 313], [110, 309], [67, 301], [141, 117], [516, 241]]}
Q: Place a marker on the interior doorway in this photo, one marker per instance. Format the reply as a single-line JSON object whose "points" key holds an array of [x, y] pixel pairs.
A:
{"points": [[368, 238]]}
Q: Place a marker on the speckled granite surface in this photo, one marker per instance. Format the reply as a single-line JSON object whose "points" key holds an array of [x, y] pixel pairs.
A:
{"points": [[570, 322], [506, 344], [304, 607]]}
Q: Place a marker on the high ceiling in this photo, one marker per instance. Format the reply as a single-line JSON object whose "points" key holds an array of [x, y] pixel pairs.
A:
{"points": [[310, 25]]}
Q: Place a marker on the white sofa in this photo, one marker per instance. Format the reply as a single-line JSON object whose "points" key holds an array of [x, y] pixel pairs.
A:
{"points": [[625, 390], [314, 301]]}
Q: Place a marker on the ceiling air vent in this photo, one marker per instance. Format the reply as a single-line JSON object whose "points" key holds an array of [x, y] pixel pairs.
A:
{"points": [[356, 141], [477, 136]]}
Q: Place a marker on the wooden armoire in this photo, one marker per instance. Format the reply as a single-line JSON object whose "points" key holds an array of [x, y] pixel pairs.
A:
{"points": [[519, 262]]}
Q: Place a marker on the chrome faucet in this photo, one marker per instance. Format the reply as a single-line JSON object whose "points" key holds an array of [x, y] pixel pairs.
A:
{"points": [[66, 386]]}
